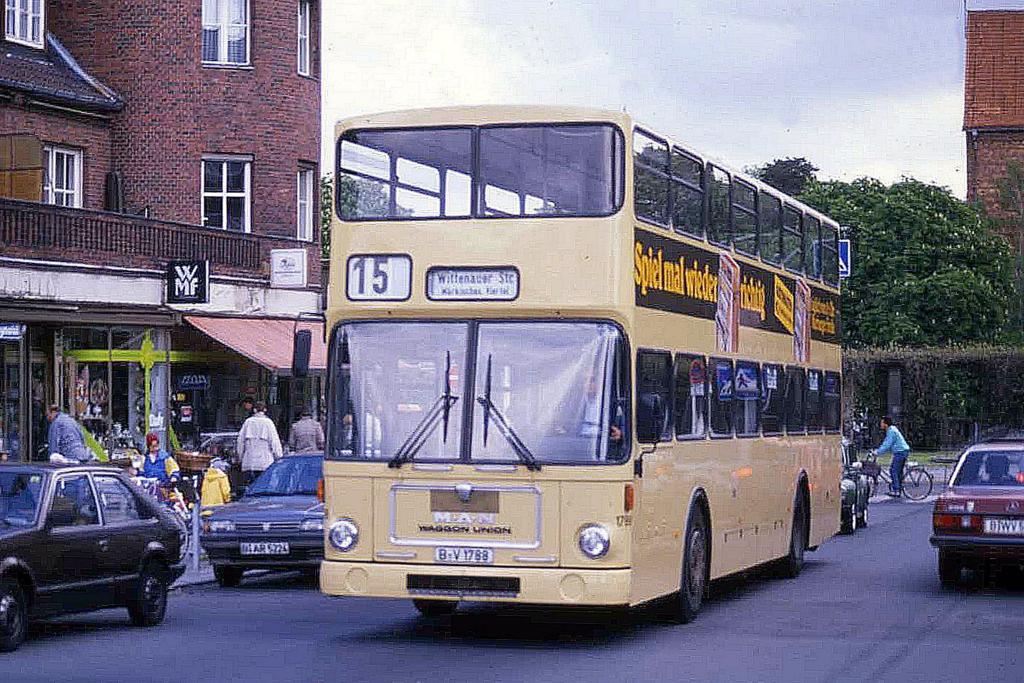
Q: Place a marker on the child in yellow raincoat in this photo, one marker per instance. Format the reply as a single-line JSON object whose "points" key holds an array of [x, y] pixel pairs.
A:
{"points": [[216, 489]]}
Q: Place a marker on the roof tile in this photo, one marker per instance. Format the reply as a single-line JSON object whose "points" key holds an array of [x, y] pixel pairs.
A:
{"points": [[52, 74]]}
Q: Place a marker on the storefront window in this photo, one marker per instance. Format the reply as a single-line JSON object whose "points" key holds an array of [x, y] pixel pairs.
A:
{"points": [[11, 420], [116, 381]]}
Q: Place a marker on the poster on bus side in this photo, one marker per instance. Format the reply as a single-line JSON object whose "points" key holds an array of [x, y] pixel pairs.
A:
{"points": [[727, 315], [802, 322]]}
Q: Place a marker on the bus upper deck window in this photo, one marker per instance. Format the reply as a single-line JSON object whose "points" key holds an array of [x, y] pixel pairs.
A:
{"points": [[830, 253], [812, 246], [687, 198], [651, 180], [718, 216], [792, 240], [744, 217], [770, 220]]}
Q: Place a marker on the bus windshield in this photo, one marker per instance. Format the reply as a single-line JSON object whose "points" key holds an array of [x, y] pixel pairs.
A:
{"points": [[487, 172], [552, 389]]}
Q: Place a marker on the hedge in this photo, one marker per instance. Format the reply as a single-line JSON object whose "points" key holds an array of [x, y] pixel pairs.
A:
{"points": [[945, 391]]}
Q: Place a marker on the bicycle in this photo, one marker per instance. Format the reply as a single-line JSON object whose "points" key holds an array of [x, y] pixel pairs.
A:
{"points": [[917, 481]]}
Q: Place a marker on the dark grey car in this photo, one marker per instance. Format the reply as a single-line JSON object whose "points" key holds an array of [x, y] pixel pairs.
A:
{"points": [[277, 524], [81, 538]]}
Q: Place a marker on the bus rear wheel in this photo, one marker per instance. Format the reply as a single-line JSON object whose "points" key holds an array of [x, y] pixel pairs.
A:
{"points": [[792, 563], [435, 608], [694, 581]]}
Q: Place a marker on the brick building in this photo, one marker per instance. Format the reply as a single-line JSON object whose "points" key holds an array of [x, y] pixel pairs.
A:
{"points": [[158, 213], [993, 104]]}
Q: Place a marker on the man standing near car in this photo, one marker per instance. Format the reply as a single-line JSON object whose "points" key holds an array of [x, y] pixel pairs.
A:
{"points": [[894, 443], [258, 444], [65, 437], [307, 435]]}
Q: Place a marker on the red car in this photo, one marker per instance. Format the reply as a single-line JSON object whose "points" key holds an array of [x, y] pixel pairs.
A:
{"points": [[978, 521]]}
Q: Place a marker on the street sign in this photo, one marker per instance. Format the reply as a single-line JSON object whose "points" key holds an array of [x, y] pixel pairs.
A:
{"points": [[845, 264]]}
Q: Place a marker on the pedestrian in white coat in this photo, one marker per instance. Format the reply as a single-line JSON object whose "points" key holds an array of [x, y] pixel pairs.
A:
{"points": [[258, 444]]}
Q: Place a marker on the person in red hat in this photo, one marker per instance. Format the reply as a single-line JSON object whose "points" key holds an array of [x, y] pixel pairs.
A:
{"points": [[158, 464]]}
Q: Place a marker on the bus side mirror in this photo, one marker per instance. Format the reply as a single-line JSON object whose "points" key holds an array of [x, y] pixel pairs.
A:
{"points": [[650, 417], [300, 353]]}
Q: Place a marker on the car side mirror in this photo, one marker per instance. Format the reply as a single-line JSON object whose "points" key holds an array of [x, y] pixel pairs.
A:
{"points": [[650, 416], [300, 353]]}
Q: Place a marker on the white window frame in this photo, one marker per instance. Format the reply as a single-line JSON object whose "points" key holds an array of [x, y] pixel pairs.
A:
{"points": [[223, 193], [305, 204], [16, 8], [304, 47], [50, 191], [222, 23]]}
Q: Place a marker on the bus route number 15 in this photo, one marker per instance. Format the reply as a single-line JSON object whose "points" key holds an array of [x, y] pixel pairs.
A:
{"points": [[384, 277]]}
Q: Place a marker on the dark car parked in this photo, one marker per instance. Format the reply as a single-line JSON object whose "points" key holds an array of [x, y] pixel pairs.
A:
{"points": [[978, 521], [81, 538], [277, 524]]}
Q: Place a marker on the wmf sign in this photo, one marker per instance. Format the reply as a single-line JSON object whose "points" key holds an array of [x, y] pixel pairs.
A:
{"points": [[188, 282]]}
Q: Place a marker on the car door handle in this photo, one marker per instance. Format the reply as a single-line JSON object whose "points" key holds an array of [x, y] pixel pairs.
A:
{"points": [[103, 543]]}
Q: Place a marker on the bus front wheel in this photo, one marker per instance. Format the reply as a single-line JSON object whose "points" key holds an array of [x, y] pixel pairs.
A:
{"points": [[435, 608], [694, 582]]}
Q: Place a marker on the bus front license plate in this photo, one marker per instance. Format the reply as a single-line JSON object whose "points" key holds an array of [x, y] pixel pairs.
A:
{"points": [[447, 555]]}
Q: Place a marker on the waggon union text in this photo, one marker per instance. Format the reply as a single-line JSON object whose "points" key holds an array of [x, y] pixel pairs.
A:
{"points": [[498, 530]]}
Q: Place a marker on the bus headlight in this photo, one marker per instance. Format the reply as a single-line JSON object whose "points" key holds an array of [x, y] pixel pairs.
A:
{"points": [[594, 541], [344, 535]]}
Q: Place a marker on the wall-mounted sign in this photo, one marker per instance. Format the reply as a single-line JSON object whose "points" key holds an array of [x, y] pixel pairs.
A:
{"points": [[472, 283], [193, 382], [188, 282], [681, 278], [379, 277], [288, 268], [11, 331]]}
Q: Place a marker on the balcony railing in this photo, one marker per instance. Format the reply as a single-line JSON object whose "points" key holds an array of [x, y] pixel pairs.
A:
{"points": [[46, 232]]}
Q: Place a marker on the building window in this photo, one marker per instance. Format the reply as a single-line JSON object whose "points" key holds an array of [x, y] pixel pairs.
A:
{"points": [[304, 37], [226, 31], [305, 204], [226, 183], [62, 176], [25, 21]]}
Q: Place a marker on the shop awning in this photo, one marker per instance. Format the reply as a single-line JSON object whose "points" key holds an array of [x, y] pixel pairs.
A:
{"points": [[263, 341]]}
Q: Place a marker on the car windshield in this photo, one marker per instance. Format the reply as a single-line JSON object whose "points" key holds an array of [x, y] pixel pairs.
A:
{"points": [[991, 468], [20, 493], [291, 476], [545, 391]]}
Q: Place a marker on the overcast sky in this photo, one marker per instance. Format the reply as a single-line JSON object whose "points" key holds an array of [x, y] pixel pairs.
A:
{"points": [[859, 87]]}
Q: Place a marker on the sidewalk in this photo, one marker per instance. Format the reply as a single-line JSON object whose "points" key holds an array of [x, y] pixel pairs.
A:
{"points": [[191, 577]]}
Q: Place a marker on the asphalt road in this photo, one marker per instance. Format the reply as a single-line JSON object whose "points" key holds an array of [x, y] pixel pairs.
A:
{"points": [[868, 607]]}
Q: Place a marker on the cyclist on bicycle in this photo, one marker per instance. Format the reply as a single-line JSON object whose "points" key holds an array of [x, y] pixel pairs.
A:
{"points": [[894, 443]]}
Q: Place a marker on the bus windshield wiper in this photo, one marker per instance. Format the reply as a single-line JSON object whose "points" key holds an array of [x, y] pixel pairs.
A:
{"points": [[492, 411], [441, 409]]}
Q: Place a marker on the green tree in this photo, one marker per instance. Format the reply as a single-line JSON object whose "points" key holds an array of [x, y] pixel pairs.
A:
{"points": [[790, 175], [927, 268], [326, 211]]}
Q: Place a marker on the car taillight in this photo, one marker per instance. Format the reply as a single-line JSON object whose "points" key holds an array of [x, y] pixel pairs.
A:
{"points": [[956, 523]]}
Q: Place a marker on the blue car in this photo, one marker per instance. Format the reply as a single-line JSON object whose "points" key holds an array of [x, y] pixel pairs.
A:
{"points": [[277, 524]]}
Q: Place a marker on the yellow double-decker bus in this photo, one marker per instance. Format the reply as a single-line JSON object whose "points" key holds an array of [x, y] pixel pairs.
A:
{"points": [[572, 362]]}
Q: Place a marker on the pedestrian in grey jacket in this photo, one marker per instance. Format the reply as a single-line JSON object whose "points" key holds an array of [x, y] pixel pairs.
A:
{"points": [[65, 437], [307, 434]]}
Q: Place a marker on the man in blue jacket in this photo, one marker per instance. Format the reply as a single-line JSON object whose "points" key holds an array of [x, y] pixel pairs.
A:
{"points": [[894, 443], [65, 437]]}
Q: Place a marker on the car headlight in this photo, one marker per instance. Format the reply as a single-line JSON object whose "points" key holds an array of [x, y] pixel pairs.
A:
{"points": [[220, 525], [312, 524], [594, 541], [344, 535]]}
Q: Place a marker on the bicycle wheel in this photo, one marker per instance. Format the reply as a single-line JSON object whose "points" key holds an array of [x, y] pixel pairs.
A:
{"points": [[917, 483]]}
